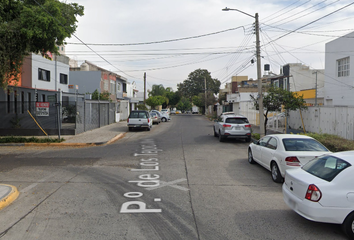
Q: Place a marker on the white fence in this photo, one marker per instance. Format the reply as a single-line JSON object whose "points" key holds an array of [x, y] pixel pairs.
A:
{"points": [[332, 120], [324, 119]]}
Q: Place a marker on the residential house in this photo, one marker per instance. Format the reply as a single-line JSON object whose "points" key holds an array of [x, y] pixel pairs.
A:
{"points": [[41, 80], [339, 77], [299, 78]]}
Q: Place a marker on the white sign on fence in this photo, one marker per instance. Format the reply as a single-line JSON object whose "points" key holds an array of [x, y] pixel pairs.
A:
{"points": [[42, 109]]}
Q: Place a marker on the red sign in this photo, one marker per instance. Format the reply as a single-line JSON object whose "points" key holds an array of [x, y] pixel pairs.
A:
{"points": [[42, 109], [42, 104]]}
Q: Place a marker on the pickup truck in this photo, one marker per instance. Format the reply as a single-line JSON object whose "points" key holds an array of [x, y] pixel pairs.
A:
{"points": [[139, 119]]}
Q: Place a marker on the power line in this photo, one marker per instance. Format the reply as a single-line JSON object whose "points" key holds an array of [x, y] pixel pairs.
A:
{"points": [[157, 42], [346, 6]]}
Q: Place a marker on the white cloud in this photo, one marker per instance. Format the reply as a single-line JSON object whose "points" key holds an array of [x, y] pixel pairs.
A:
{"points": [[133, 21]]}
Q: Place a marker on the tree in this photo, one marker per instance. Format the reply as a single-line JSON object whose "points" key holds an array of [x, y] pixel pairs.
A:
{"points": [[154, 101], [184, 104], [100, 96], [173, 99], [277, 98], [157, 90], [195, 84], [32, 26]]}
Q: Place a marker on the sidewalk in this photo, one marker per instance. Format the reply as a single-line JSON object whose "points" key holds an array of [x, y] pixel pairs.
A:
{"points": [[99, 136]]}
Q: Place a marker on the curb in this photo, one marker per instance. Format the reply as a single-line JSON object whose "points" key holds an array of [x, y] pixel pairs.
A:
{"points": [[63, 144], [10, 197], [119, 136]]}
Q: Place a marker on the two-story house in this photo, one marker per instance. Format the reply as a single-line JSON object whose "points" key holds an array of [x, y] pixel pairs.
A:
{"points": [[339, 77], [40, 80]]}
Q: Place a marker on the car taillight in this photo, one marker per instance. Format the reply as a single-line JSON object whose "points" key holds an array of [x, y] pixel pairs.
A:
{"points": [[313, 193], [128, 120], [292, 161], [148, 120], [248, 126], [226, 125]]}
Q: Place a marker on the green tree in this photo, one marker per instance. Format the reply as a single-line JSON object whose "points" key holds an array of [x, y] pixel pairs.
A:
{"points": [[195, 84], [277, 98], [100, 96], [32, 26], [154, 101], [184, 104], [157, 90], [197, 101], [173, 99]]}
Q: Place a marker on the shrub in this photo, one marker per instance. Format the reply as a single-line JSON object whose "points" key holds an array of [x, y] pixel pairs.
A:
{"points": [[13, 139], [333, 142]]}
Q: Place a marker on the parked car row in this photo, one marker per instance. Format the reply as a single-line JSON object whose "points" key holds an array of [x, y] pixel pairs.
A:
{"points": [[142, 119], [317, 184]]}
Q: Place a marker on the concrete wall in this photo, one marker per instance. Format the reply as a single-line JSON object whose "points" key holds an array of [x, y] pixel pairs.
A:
{"points": [[88, 81], [332, 120]]}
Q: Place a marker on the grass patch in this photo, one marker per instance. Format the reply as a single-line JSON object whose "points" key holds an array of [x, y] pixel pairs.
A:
{"points": [[333, 142], [12, 139]]}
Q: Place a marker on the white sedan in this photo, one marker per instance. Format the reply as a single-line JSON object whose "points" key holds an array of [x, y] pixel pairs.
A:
{"points": [[280, 152], [323, 190]]}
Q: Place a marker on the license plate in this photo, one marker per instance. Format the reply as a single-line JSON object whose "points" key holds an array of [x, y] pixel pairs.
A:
{"points": [[137, 126], [237, 128]]}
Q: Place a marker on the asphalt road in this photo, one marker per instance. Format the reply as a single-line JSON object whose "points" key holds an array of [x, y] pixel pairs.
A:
{"points": [[175, 182]]}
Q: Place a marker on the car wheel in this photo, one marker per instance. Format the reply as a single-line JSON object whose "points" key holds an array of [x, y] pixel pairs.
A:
{"points": [[215, 134], [348, 226], [276, 176], [221, 138], [130, 129], [163, 119], [248, 139], [250, 157]]}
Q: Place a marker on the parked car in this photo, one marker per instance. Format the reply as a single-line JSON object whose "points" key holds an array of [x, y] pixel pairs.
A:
{"points": [[280, 152], [173, 112], [155, 118], [178, 112], [163, 116], [139, 119], [323, 190], [232, 126], [165, 111]]}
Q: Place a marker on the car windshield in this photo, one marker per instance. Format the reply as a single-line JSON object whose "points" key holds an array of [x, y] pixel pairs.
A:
{"points": [[326, 168], [303, 144], [137, 115], [236, 120]]}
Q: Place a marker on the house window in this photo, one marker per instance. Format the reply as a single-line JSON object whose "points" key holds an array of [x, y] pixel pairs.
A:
{"points": [[43, 75], [285, 84], [276, 83], [105, 85], [63, 78], [118, 87], [113, 89], [343, 67]]}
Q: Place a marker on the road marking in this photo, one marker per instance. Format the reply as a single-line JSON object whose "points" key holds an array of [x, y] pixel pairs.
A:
{"points": [[171, 184], [26, 189]]}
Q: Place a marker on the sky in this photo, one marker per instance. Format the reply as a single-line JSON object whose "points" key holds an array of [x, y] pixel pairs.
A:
{"points": [[169, 39]]}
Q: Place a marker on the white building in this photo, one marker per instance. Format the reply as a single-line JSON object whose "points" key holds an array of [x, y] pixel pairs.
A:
{"points": [[339, 61]]}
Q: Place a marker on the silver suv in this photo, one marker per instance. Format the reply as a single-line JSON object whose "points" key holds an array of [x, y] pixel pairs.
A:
{"points": [[232, 126]]}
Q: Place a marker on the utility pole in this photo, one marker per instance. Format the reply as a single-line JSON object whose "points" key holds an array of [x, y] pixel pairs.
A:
{"points": [[259, 77], [315, 89], [205, 95], [259, 71], [144, 87]]}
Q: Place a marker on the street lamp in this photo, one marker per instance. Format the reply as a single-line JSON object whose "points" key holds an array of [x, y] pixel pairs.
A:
{"points": [[259, 74]]}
